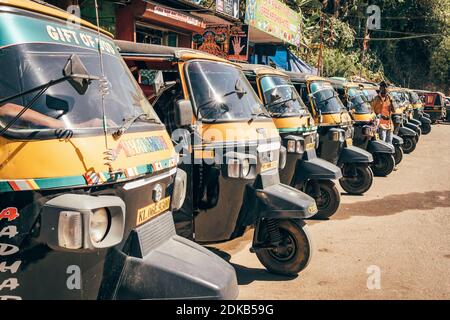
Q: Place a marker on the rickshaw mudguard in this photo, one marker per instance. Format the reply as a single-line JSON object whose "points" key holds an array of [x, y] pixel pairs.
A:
{"points": [[379, 146], [280, 201], [415, 122], [412, 126], [175, 268], [424, 120], [407, 132], [352, 154], [312, 168], [396, 140]]}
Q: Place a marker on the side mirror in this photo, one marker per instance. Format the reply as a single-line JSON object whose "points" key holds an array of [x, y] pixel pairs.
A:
{"points": [[59, 104], [183, 113], [274, 96], [78, 74]]}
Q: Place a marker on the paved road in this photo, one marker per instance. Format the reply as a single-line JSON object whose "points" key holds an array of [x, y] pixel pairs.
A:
{"points": [[401, 227]]}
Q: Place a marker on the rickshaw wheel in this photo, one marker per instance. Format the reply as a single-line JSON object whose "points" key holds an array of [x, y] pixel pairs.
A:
{"points": [[359, 184], [383, 165], [328, 201], [426, 128], [293, 254], [398, 155], [409, 144]]}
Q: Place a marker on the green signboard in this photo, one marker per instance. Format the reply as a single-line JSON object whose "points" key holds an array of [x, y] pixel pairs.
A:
{"points": [[274, 18]]}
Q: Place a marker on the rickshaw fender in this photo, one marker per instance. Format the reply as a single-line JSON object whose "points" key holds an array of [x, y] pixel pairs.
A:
{"points": [[177, 268], [379, 146], [407, 132], [316, 169], [280, 201], [415, 122], [396, 140], [352, 154], [425, 120]]}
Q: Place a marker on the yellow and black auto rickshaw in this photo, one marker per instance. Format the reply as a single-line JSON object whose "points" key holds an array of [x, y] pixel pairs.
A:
{"points": [[303, 170], [88, 173], [365, 126], [230, 149], [335, 128], [418, 114], [403, 137], [402, 98], [434, 105]]}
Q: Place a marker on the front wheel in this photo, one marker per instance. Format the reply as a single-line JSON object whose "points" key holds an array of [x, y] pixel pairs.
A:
{"points": [[383, 164], [409, 144], [398, 155], [292, 254], [356, 180], [426, 128], [326, 195]]}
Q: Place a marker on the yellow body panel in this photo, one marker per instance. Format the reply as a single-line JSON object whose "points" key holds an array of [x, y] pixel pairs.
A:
{"points": [[49, 11], [335, 119], [293, 122], [77, 156], [237, 131], [363, 117]]}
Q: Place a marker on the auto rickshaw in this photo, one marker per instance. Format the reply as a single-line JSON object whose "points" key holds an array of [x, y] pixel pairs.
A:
{"points": [[418, 113], [434, 103], [402, 97], [447, 109], [231, 150], [365, 126], [88, 173], [335, 128], [303, 170], [370, 92]]}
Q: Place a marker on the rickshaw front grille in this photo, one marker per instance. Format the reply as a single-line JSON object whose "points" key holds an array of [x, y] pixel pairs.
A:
{"points": [[155, 232]]}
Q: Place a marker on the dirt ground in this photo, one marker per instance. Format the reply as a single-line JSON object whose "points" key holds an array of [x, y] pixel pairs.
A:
{"points": [[400, 228]]}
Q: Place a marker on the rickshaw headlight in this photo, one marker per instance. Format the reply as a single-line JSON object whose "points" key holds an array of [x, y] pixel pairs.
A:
{"points": [[335, 136], [291, 146], [234, 168], [317, 140], [245, 168], [299, 147], [179, 190], [99, 224], [367, 131], [70, 230]]}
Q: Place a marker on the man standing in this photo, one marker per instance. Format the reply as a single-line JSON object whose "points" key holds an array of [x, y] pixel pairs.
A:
{"points": [[383, 107]]}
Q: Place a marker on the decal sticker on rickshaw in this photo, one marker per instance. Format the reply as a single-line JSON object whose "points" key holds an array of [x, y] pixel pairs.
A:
{"points": [[42, 31], [298, 129], [140, 146], [89, 178], [269, 165], [9, 213]]}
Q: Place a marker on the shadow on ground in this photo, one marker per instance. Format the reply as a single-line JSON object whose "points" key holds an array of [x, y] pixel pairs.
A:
{"points": [[395, 204], [248, 275]]}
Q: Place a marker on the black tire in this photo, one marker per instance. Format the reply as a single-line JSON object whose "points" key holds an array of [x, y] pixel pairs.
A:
{"points": [[433, 121], [359, 184], [328, 201], [426, 128], [409, 144], [383, 164], [281, 260], [398, 155]]}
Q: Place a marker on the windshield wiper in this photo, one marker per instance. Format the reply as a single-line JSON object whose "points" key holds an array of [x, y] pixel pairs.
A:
{"points": [[259, 114], [129, 122]]}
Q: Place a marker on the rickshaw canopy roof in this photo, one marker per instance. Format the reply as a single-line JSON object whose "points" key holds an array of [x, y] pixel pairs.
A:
{"points": [[49, 10], [304, 77], [261, 70], [184, 54]]}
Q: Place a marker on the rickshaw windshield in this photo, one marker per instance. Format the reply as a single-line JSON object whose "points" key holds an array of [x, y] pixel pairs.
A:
{"points": [[27, 66], [414, 97], [358, 101], [281, 98], [370, 94], [221, 92], [325, 98]]}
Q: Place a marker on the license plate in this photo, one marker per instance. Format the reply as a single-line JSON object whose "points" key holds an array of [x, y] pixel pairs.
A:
{"points": [[377, 136], [150, 211], [268, 165], [310, 146], [349, 142]]}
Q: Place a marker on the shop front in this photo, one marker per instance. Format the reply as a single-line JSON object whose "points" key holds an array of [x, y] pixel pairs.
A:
{"points": [[152, 22]]}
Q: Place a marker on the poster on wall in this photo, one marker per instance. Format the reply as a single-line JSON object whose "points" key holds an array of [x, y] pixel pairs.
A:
{"points": [[228, 42], [274, 18]]}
